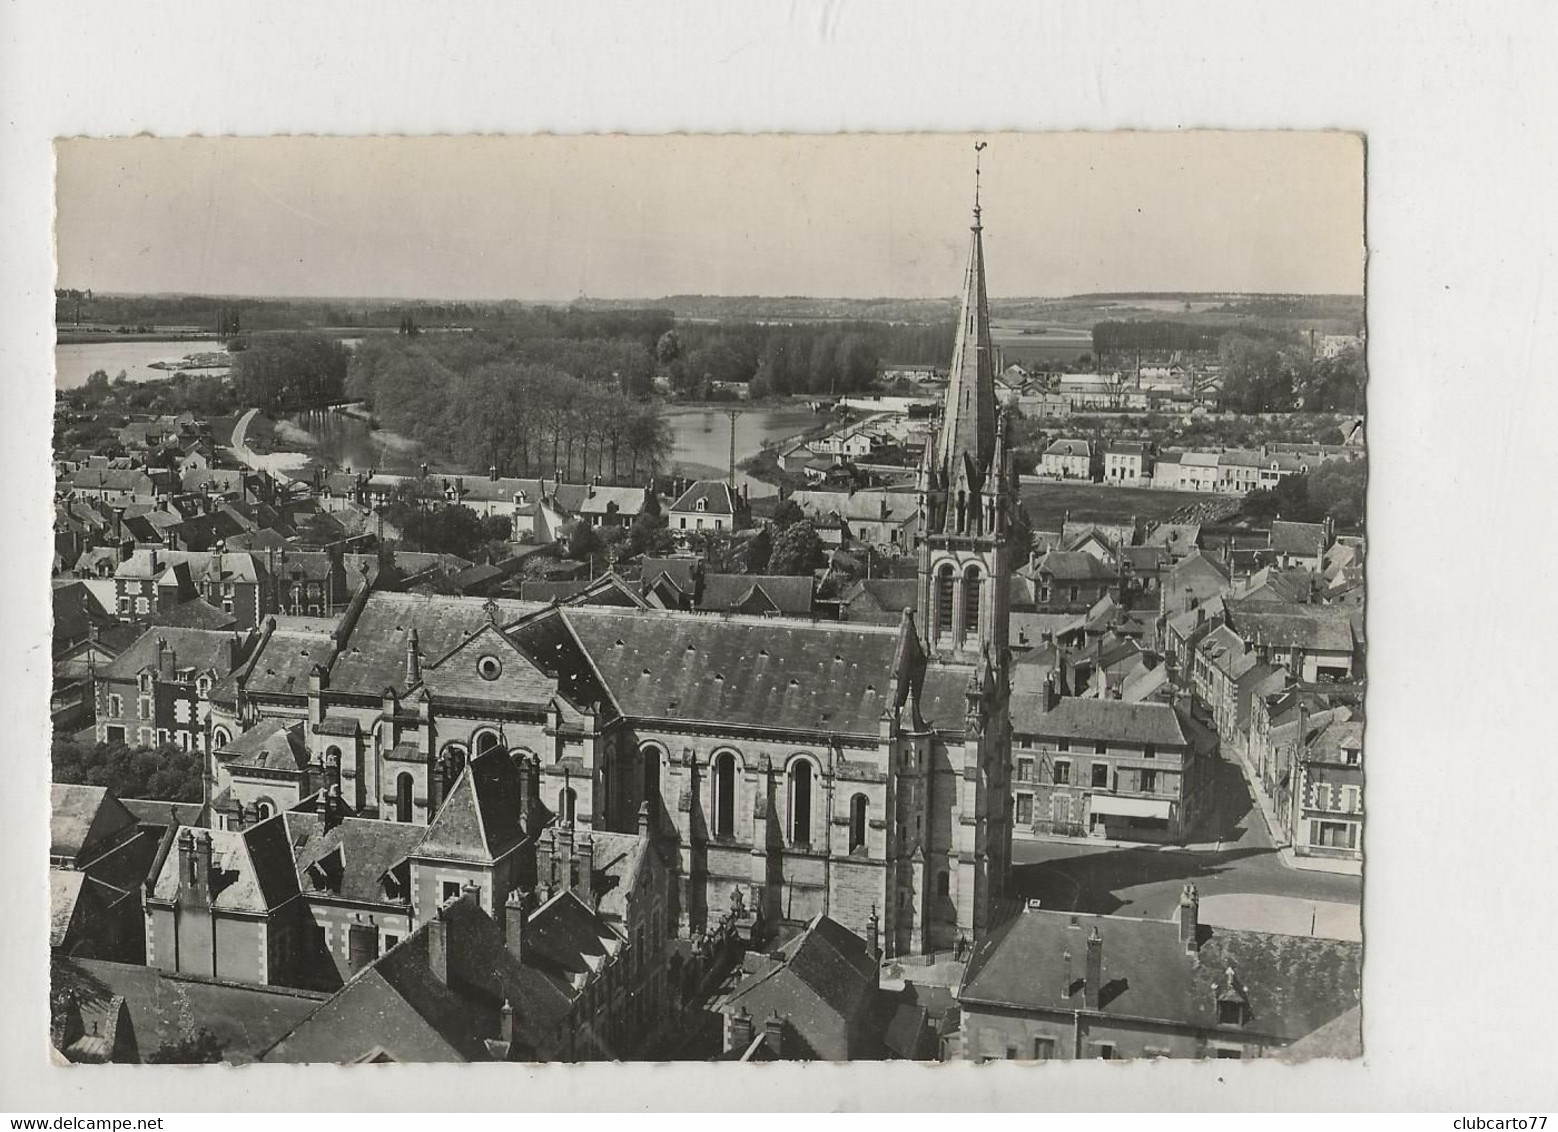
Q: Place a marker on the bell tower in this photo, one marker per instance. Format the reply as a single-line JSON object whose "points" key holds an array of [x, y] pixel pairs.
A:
{"points": [[966, 490]]}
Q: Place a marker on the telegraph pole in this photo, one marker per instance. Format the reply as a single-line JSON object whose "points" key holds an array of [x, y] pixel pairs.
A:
{"points": [[732, 413]]}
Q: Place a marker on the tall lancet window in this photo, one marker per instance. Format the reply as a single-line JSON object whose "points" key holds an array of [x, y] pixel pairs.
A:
{"points": [[944, 588], [971, 586]]}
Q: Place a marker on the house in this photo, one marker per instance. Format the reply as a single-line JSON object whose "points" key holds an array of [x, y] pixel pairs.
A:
{"points": [[1301, 545], [1193, 580], [879, 517], [760, 595], [262, 772], [1061, 985], [1238, 470], [1043, 404], [880, 601], [1327, 794], [709, 505], [159, 689], [226, 905], [1127, 464], [1068, 460], [99, 857], [1313, 642], [814, 998], [1107, 768], [532, 985], [1070, 581], [604, 506], [118, 487], [1227, 676], [237, 582]]}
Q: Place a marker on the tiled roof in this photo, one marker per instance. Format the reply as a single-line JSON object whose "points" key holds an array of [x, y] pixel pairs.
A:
{"points": [[1293, 984]]}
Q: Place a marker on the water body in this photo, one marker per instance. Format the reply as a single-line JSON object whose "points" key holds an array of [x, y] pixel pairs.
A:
{"points": [[701, 441], [74, 362]]}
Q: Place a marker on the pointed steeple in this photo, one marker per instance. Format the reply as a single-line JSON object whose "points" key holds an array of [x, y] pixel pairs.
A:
{"points": [[968, 416]]}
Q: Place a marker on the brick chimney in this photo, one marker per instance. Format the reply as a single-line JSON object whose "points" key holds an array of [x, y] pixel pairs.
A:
{"points": [[773, 1034], [562, 856], [438, 947], [739, 1031], [1189, 918], [516, 916], [1095, 970], [167, 662]]}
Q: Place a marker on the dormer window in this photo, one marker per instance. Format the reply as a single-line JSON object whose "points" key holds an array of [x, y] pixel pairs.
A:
{"points": [[203, 685], [1231, 1012], [702, 505], [145, 681]]}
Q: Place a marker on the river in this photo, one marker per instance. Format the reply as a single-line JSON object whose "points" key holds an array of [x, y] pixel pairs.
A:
{"points": [[700, 434]]}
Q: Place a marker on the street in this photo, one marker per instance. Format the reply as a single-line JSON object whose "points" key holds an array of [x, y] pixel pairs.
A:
{"points": [[1146, 881]]}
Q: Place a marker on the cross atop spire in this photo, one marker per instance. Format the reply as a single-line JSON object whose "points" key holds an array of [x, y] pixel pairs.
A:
{"points": [[979, 148]]}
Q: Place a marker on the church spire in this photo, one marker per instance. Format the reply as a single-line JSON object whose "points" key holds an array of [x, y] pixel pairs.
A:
{"points": [[968, 415]]}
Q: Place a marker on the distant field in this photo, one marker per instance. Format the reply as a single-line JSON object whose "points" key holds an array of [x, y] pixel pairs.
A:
{"points": [[1049, 503]]}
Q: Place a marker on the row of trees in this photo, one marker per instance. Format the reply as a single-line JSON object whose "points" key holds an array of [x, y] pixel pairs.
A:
{"points": [[168, 773], [511, 405], [1263, 376], [299, 370], [1336, 489]]}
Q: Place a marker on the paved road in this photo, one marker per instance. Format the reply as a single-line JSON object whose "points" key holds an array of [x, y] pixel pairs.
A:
{"points": [[1147, 881]]}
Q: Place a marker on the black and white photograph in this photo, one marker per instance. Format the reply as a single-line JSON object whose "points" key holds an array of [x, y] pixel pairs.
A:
{"points": [[710, 563], [741, 609]]}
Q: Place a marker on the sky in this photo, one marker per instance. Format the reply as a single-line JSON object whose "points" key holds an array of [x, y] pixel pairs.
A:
{"points": [[854, 216]]}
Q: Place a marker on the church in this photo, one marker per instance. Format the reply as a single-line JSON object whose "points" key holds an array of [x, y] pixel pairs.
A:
{"points": [[795, 767]]}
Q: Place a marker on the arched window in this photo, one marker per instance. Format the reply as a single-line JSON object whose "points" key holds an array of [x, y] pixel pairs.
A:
{"points": [[220, 737], [944, 588], [450, 766], [264, 809], [403, 785], [857, 822], [651, 768], [971, 587], [333, 756], [800, 801], [567, 801], [482, 742], [724, 794]]}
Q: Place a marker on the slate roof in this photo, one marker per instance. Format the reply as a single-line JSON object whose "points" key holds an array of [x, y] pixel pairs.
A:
{"points": [[683, 572], [254, 868], [1069, 448], [545, 590], [65, 887], [1293, 984], [197, 613], [1090, 719], [76, 610], [244, 1019], [1316, 627], [204, 650], [749, 672], [758, 593], [397, 1006], [374, 656], [85, 820], [1305, 539], [600, 500], [718, 497], [355, 854], [881, 600], [481, 819], [271, 744], [943, 696], [1073, 565], [826, 974]]}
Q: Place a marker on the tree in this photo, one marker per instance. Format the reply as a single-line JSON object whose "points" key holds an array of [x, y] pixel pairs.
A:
{"points": [[760, 549], [797, 550], [1338, 489], [167, 773], [668, 348], [788, 511], [580, 540], [650, 534]]}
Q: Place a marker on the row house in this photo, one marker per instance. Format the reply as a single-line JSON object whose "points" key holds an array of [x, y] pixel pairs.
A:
{"points": [[1226, 676], [1313, 642], [1127, 464], [1106, 768], [1327, 796], [159, 691], [118, 487], [1053, 985], [156, 580]]}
